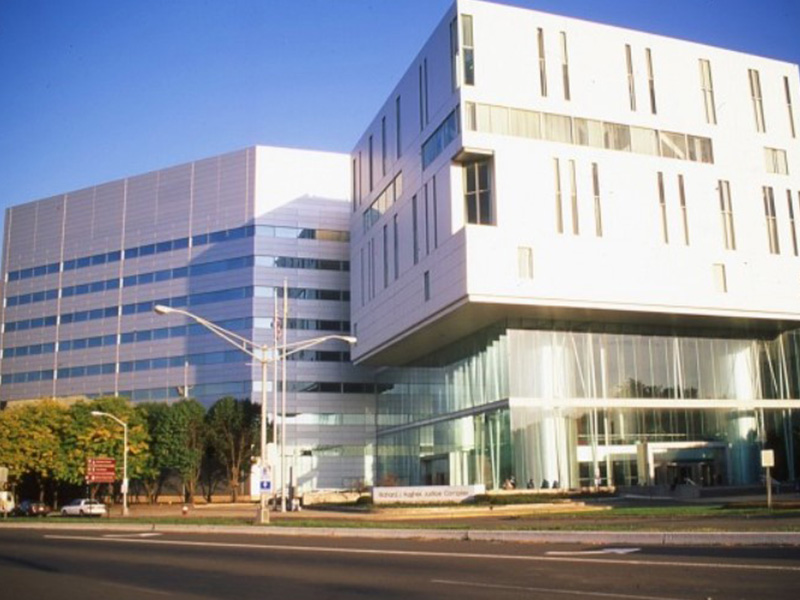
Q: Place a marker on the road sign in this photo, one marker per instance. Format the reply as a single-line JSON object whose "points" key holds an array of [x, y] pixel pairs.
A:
{"points": [[767, 458], [3, 475], [100, 470]]}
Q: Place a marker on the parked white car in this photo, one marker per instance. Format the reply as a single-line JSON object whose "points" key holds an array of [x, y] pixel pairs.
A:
{"points": [[83, 507]]}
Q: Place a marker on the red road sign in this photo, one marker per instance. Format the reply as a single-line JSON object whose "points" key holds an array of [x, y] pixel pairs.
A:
{"points": [[100, 470]]}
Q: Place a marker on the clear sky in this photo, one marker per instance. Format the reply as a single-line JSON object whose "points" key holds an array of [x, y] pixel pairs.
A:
{"points": [[96, 90]]}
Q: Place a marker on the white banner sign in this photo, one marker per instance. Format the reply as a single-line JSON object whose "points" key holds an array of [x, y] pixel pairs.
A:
{"points": [[426, 494]]}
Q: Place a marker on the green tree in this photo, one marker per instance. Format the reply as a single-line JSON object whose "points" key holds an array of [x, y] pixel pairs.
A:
{"points": [[178, 442], [232, 430], [153, 414], [30, 441], [89, 436]]}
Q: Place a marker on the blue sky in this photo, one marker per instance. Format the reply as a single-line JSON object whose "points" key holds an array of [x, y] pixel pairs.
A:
{"points": [[96, 90]]}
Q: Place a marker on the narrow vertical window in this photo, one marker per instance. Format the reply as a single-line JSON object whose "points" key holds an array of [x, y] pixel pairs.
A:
{"points": [[435, 215], [631, 83], [598, 209], [559, 203], [398, 138], [454, 54], [789, 105], [469, 49], [684, 212], [565, 65], [371, 251], [421, 101], [525, 262], [360, 180], [758, 104], [426, 285], [720, 278], [427, 223], [772, 221], [425, 82], [726, 210], [363, 275], [354, 176], [385, 256], [662, 201], [415, 230], [478, 193], [651, 80], [383, 146], [396, 242], [707, 85], [542, 62], [573, 196], [792, 226], [370, 172]]}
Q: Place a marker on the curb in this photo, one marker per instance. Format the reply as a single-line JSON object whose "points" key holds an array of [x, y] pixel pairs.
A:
{"points": [[644, 538]]}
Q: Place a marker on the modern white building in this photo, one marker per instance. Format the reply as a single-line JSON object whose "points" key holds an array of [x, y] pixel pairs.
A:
{"points": [[575, 256], [574, 261], [218, 237]]}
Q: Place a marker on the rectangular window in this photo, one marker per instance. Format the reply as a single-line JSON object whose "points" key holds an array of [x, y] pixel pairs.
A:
{"points": [[363, 275], [792, 226], [440, 139], [631, 82], [426, 284], [415, 229], [383, 146], [598, 209], [789, 105], [684, 212], [427, 223], [651, 80], [360, 180], [478, 192], [758, 104], [454, 54], [573, 195], [397, 136], [421, 101], [435, 215], [525, 262], [776, 161], [707, 85], [726, 210], [772, 221], [354, 182], [372, 261], [370, 173], [542, 62], [559, 202], [385, 256], [396, 242], [469, 49], [565, 66], [617, 136], [662, 201], [425, 82], [720, 279]]}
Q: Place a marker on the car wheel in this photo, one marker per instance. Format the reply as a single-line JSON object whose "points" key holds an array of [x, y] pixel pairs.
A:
{"points": [[81, 513], [63, 513]]}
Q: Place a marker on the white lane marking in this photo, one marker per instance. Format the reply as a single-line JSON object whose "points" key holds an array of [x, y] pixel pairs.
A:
{"points": [[563, 592], [588, 552], [131, 535], [333, 550]]}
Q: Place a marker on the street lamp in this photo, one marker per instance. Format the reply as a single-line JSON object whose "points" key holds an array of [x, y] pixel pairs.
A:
{"points": [[260, 353], [97, 413]]}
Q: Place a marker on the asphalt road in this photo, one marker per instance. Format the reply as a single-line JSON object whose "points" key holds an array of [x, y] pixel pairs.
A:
{"points": [[67, 564]]}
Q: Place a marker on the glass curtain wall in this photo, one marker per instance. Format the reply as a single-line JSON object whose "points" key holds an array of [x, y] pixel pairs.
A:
{"points": [[558, 408]]}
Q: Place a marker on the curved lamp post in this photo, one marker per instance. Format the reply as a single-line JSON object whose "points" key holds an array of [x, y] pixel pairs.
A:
{"points": [[97, 413], [262, 354]]}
